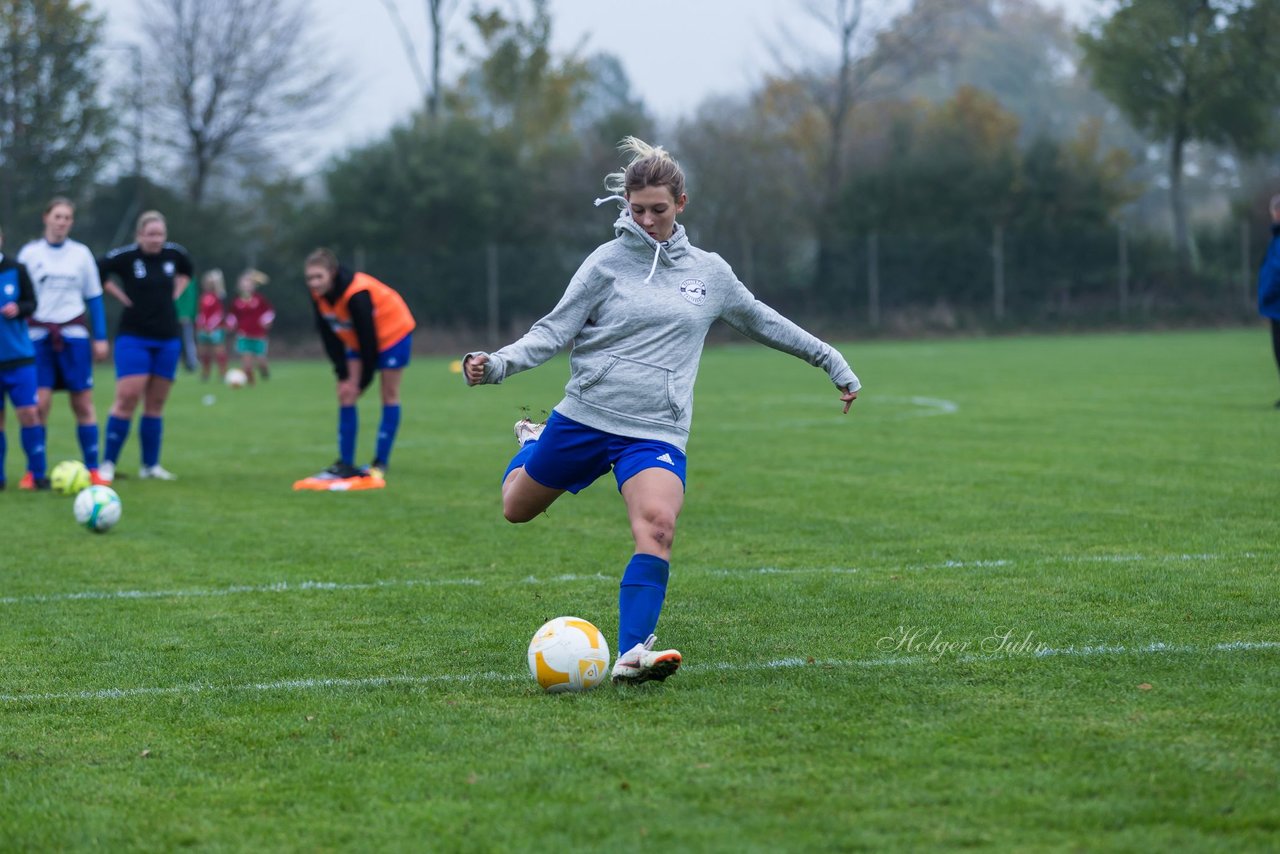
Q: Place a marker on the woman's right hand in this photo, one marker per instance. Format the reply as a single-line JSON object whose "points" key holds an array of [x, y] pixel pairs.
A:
{"points": [[473, 368]]}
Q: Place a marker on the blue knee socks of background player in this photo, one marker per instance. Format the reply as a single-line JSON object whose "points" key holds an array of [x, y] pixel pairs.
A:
{"points": [[387, 431], [88, 436], [33, 444], [117, 432], [640, 596], [150, 434], [348, 423]]}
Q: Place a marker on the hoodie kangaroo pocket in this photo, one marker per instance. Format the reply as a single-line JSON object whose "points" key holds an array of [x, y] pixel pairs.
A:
{"points": [[631, 388]]}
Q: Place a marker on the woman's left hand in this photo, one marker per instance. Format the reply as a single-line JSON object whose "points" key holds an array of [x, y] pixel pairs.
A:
{"points": [[848, 397]]}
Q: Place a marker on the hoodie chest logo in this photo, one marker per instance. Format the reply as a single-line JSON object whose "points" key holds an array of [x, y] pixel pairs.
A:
{"points": [[694, 290]]}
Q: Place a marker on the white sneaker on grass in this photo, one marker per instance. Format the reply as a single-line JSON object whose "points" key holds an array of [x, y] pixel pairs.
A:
{"points": [[155, 472], [642, 663], [107, 471], [528, 431]]}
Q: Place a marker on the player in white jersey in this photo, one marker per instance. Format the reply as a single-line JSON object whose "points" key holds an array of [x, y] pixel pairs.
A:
{"points": [[69, 327]]}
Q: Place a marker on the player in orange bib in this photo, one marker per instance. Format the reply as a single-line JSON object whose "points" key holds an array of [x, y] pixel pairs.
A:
{"points": [[366, 329]]}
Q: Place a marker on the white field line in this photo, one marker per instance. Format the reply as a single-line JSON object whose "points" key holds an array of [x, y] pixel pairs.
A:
{"points": [[720, 667], [235, 589], [282, 587]]}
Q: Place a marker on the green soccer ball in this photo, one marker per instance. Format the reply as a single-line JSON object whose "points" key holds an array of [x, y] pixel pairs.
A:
{"points": [[69, 477]]}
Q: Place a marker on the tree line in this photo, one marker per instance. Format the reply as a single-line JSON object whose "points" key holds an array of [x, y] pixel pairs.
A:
{"points": [[962, 163]]}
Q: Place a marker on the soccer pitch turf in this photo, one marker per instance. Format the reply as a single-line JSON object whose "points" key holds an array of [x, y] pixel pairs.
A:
{"points": [[1023, 597]]}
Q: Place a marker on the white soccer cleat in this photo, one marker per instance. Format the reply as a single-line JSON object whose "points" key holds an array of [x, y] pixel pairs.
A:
{"points": [[528, 431], [107, 472], [642, 663], [155, 472]]}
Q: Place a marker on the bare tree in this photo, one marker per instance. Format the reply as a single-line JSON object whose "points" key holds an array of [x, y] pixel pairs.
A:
{"points": [[235, 77], [438, 14], [867, 47]]}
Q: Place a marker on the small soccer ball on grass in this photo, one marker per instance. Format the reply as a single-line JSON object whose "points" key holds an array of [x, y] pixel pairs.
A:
{"points": [[567, 655], [235, 378], [69, 477], [98, 508]]}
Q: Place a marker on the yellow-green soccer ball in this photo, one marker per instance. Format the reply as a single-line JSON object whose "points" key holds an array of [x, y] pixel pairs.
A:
{"points": [[568, 654], [69, 477]]}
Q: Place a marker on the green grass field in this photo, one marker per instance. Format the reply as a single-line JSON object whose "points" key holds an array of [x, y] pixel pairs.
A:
{"points": [[238, 666]]}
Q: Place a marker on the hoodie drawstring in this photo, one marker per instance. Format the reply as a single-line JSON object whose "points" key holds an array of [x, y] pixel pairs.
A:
{"points": [[626, 210]]}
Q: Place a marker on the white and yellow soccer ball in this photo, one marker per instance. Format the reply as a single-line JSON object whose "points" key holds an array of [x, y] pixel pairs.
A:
{"points": [[567, 655], [69, 477], [235, 378], [98, 508]]}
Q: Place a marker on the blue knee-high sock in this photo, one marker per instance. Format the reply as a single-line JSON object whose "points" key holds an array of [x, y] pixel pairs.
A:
{"points": [[88, 436], [387, 431], [33, 444], [644, 586], [150, 432], [521, 457], [4, 452], [117, 432], [348, 424]]}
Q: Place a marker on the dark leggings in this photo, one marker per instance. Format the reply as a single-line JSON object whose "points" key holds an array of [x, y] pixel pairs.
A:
{"points": [[1275, 340]]}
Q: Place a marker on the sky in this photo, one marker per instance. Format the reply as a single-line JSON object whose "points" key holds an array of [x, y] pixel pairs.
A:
{"points": [[690, 49]]}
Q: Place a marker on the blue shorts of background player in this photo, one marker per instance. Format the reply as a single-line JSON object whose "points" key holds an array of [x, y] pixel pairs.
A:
{"points": [[19, 384], [572, 456], [394, 357], [69, 368], [138, 355]]}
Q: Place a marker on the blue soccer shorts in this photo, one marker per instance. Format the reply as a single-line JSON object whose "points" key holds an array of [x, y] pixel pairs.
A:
{"points": [[572, 456], [20, 384], [137, 355], [70, 368], [394, 357]]}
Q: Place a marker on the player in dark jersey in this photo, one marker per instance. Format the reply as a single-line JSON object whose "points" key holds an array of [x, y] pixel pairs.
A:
{"points": [[18, 370], [147, 276]]}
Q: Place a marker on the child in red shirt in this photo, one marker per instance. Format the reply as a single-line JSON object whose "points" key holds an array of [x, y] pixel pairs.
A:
{"points": [[251, 317], [211, 324]]}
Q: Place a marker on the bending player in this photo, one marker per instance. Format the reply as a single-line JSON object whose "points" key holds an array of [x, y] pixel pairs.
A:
{"points": [[367, 329]]}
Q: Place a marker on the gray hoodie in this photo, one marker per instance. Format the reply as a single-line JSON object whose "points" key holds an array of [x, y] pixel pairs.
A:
{"points": [[638, 313]]}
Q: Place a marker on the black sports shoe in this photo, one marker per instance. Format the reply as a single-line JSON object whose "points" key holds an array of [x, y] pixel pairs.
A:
{"points": [[341, 471]]}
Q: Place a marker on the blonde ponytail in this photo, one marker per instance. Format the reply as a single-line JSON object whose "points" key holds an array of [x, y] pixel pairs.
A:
{"points": [[649, 166]]}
